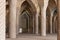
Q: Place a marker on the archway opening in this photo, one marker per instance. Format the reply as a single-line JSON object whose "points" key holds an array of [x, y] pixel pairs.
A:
{"points": [[27, 18], [24, 22]]}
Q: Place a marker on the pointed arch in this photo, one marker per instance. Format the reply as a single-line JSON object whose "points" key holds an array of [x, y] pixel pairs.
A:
{"points": [[29, 6]]}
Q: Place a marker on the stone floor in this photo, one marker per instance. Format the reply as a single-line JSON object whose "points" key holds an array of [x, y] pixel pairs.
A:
{"points": [[34, 37]]}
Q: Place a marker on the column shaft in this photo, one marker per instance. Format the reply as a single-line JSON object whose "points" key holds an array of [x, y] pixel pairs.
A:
{"points": [[12, 4], [58, 3], [54, 24], [2, 19], [43, 18], [37, 30], [33, 24], [51, 22], [43, 22]]}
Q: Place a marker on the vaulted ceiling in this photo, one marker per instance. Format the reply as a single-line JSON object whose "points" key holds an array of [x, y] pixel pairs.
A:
{"points": [[51, 6]]}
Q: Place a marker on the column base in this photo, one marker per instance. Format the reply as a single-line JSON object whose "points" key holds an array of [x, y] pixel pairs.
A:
{"points": [[37, 34], [11, 36], [43, 35]]}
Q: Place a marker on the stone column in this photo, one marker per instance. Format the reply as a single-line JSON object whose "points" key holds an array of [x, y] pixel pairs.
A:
{"points": [[58, 6], [12, 28], [43, 18], [17, 26], [2, 19], [37, 29], [33, 24], [51, 16], [28, 23], [54, 24], [43, 23]]}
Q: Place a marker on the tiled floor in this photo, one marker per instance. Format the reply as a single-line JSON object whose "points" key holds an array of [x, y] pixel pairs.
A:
{"points": [[35, 37]]}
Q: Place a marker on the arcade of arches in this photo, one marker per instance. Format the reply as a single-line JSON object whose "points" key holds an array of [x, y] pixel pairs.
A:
{"points": [[38, 17]]}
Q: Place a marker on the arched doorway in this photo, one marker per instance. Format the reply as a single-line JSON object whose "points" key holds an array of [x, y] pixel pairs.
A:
{"points": [[27, 18], [24, 22]]}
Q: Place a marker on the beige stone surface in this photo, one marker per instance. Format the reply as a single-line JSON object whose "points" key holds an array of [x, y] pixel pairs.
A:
{"points": [[12, 30], [35, 37], [58, 19], [2, 19]]}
